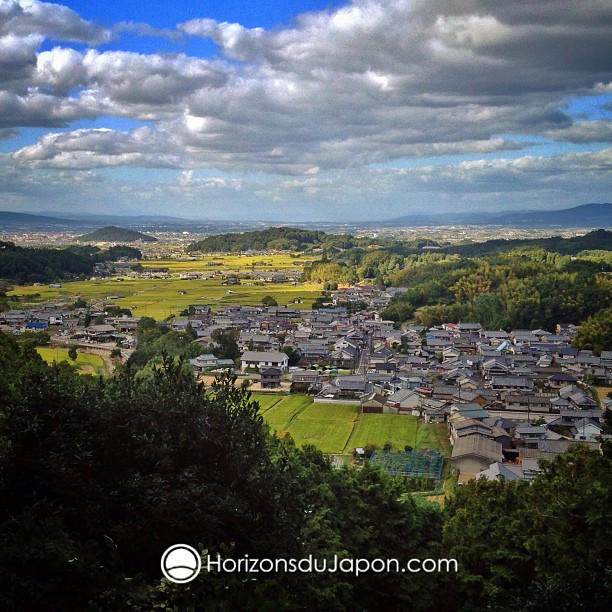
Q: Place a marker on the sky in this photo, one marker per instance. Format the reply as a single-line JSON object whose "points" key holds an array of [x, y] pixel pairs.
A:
{"points": [[304, 110]]}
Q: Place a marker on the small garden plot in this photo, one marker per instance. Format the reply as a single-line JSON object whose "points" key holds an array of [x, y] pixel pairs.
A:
{"points": [[433, 436], [86, 362], [426, 464]]}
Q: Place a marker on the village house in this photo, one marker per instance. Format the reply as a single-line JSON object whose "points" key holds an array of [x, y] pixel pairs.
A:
{"points": [[264, 359]]}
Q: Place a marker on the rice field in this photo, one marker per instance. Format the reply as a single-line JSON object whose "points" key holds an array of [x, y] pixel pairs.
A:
{"points": [[280, 415], [330, 412], [265, 400], [86, 362], [162, 297]]}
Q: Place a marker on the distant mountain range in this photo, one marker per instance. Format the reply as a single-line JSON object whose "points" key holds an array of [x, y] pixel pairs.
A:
{"points": [[13, 220], [112, 233], [585, 216]]}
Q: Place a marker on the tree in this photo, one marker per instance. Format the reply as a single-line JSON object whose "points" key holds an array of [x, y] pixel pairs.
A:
{"points": [[268, 301], [98, 477], [595, 333], [226, 343], [293, 354], [191, 332], [518, 542], [72, 353]]}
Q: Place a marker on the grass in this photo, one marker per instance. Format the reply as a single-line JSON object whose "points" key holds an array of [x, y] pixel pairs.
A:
{"points": [[265, 400], [377, 429], [282, 414], [330, 436], [330, 412], [339, 428], [433, 435], [327, 426], [86, 362]]}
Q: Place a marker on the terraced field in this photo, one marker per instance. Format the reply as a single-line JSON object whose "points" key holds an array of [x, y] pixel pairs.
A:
{"points": [[265, 400], [330, 436]]}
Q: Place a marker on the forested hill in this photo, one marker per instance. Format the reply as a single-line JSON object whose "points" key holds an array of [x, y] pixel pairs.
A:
{"points": [[274, 238], [600, 239], [23, 265], [112, 233]]}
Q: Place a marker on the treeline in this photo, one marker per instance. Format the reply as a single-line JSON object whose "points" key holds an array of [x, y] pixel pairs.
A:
{"points": [[337, 247], [99, 476], [23, 265], [274, 238], [527, 286], [598, 239]]}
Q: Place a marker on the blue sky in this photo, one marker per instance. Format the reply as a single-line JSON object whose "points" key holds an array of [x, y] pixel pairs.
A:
{"points": [[304, 110]]}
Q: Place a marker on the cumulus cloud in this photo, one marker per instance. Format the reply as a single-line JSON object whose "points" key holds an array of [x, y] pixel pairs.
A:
{"points": [[98, 148], [25, 18], [336, 91], [373, 81]]}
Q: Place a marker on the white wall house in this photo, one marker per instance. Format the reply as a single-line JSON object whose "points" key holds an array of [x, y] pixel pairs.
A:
{"points": [[265, 359]]}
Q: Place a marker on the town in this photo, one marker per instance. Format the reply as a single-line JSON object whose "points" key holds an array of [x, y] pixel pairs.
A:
{"points": [[508, 398]]}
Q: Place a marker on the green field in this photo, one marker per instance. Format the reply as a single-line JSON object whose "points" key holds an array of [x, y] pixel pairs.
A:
{"points": [[160, 298], [378, 429], [265, 400], [87, 363], [281, 414], [235, 262], [330, 436], [330, 412], [340, 428], [433, 435]]}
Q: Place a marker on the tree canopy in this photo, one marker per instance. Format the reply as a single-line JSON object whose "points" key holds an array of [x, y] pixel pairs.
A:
{"points": [[99, 476]]}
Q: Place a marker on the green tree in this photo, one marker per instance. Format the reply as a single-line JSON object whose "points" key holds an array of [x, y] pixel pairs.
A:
{"points": [[226, 343], [595, 333], [293, 354]]}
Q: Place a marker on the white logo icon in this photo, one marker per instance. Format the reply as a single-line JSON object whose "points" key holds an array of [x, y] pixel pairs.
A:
{"points": [[181, 563]]}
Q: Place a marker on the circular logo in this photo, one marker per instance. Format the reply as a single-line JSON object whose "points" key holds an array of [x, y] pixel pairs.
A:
{"points": [[181, 563]]}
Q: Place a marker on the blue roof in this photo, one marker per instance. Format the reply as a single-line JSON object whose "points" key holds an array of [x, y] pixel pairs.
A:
{"points": [[36, 325]]}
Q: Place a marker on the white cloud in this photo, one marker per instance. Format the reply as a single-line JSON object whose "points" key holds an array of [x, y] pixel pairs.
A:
{"points": [[336, 91], [29, 17]]}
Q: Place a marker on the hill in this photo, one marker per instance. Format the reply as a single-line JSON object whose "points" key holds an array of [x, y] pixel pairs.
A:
{"points": [[112, 233], [24, 265], [274, 238], [600, 239]]}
